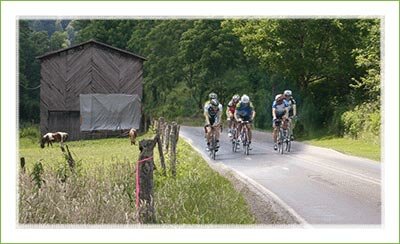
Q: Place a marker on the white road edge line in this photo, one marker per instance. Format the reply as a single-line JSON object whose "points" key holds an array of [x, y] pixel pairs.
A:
{"points": [[264, 191]]}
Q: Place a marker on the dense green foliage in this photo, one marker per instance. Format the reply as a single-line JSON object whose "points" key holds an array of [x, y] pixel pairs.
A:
{"points": [[101, 191], [331, 65]]}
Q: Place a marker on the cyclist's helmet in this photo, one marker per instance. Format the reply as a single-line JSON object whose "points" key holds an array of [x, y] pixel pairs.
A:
{"points": [[279, 97], [245, 99], [236, 98], [287, 93], [214, 103], [212, 95]]}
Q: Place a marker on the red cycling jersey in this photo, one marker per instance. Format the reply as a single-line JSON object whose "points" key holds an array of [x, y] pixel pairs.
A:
{"points": [[232, 106]]}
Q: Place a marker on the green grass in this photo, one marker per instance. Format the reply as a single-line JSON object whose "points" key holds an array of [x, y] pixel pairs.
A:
{"points": [[102, 190], [349, 146]]}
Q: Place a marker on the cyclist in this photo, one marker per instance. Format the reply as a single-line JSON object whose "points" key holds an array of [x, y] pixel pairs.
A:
{"points": [[212, 114], [230, 112], [211, 96], [280, 111], [244, 112], [292, 111]]}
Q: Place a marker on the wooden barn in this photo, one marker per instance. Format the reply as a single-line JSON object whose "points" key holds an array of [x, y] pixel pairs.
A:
{"points": [[103, 80]]}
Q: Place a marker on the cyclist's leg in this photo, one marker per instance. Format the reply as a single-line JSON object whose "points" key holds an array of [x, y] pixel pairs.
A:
{"points": [[292, 125], [217, 133], [208, 128], [236, 129], [209, 131], [249, 134], [231, 123], [239, 130], [274, 133], [249, 129]]}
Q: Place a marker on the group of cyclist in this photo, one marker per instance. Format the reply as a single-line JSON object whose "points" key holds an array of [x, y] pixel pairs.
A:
{"points": [[240, 109]]}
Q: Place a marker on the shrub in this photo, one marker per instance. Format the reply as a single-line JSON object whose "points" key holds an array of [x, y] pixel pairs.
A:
{"points": [[30, 131], [363, 122]]}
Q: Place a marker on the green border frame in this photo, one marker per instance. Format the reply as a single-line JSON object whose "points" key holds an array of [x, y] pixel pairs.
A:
{"points": [[1, 114]]}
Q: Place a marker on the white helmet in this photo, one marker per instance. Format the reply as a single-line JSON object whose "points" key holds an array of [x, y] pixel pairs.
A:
{"points": [[287, 93], [245, 99], [214, 102], [212, 95], [278, 97], [236, 98]]}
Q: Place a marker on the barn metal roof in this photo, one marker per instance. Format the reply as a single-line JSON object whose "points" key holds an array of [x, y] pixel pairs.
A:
{"points": [[87, 42]]}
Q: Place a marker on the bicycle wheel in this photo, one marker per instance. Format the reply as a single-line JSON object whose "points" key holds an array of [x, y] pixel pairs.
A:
{"points": [[214, 146], [244, 141], [233, 140], [284, 139], [280, 141]]}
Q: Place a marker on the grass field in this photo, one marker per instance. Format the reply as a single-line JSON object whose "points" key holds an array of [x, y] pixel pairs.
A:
{"points": [[102, 189], [349, 146]]}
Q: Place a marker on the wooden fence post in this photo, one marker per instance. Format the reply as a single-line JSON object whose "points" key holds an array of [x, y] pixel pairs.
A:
{"points": [[160, 151], [23, 164], [167, 138], [173, 148], [144, 182], [68, 157], [160, 128]]}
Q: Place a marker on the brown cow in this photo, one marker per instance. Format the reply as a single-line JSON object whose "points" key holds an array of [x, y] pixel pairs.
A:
{"points": [[50, 137], [132, 135]]}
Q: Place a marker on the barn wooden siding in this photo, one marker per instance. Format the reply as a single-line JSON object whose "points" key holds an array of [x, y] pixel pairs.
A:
{"points": [[87, 68]]}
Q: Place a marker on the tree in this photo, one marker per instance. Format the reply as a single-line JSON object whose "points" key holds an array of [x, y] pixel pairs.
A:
{"points": [[208, 51], [367, 57], [310, 56], [30, 45], [59, 40]]}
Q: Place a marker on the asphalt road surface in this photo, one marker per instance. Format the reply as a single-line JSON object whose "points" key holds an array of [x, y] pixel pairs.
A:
{"points": [[320, 186]]}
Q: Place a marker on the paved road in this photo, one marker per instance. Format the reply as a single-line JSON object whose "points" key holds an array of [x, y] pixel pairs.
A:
{"points": [[320, 185]]}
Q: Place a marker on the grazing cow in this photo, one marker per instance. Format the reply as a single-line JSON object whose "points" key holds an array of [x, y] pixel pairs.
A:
{"points": [[132, 135], [49, 138]]}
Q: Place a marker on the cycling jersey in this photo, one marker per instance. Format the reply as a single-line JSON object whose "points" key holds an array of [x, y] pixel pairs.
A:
{"points": [[232, 106], [213, 114], [244, 110], [280, 108]]}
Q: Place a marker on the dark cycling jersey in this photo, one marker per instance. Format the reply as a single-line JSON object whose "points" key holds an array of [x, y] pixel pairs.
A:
{"points": [[244, 111], [291, 102]]}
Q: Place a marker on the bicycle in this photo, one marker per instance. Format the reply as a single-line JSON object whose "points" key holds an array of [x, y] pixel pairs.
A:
{"points": [[284, 142], [213, 148], [244, 136], [234, 140]]}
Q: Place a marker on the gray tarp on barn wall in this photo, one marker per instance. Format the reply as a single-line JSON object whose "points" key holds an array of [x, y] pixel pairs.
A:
{"points": [[109, 111]]}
